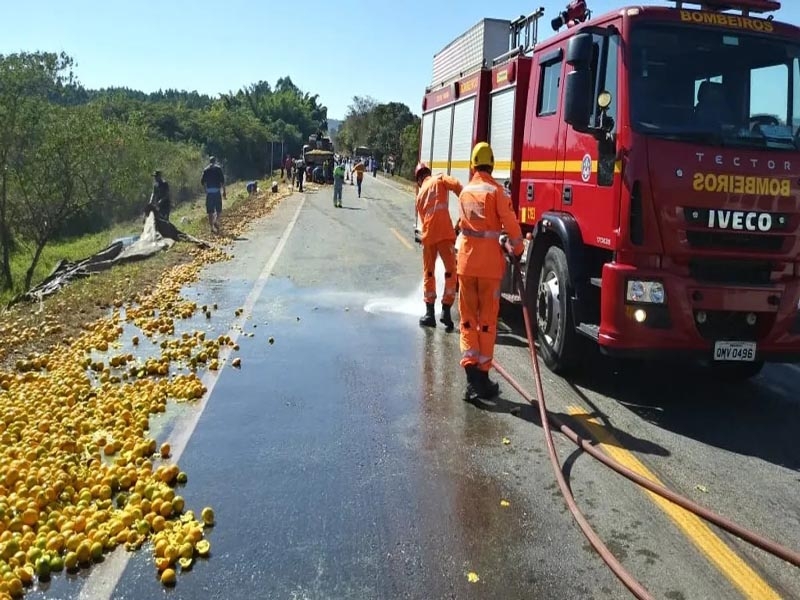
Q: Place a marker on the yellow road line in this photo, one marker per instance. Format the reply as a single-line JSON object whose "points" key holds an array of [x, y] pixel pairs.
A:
{"points": [[403, 240], [701, 535]]}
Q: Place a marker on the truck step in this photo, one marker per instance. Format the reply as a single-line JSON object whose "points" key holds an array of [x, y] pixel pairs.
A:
{"points": [[597, 281], [512, 298], [590, 330]]}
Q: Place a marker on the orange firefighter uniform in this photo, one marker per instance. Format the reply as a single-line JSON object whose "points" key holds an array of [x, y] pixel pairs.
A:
{"points": [[486, 213], [438, 240]]}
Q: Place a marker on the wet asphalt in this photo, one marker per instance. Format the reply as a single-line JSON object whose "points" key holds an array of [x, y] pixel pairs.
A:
{"points": [[342, 463]]}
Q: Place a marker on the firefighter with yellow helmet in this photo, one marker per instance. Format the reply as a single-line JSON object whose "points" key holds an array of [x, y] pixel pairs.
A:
{"points": [[489, 227]]}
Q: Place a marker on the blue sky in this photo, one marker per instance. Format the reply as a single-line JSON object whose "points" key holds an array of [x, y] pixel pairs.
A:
{"points": [[382, 49]]}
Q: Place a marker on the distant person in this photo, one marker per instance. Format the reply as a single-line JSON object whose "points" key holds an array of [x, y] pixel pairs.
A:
{"points": [[160, 197], [252, 188], [338, 183], [358, 169], [288, 166], [299, 171], [213, 180]]}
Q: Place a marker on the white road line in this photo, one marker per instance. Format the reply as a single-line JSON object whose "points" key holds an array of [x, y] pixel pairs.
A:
{"points": [[395, 187], [104, 578]]}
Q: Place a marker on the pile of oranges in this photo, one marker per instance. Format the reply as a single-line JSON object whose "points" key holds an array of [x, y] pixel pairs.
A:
{"points": [[79, 473]]}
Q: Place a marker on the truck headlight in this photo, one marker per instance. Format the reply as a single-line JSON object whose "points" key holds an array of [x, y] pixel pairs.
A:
{"points": [[646, 292]]}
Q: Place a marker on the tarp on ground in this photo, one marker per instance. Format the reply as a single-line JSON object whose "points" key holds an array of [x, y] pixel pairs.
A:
{"points": [[157, 235]]}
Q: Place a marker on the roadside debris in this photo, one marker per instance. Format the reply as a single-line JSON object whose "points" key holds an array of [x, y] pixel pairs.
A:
{"points": [[157, 235]]}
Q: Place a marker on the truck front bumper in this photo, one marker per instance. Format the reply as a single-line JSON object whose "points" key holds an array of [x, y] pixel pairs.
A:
{"points": [[695, 316]]}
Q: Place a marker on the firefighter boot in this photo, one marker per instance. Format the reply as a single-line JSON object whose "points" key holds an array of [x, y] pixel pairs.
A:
{"points": [[446, 319], [472, 391], [429, 319], [488, 389]]}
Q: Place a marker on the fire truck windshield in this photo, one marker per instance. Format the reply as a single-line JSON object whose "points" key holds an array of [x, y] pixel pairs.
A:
{"points": [[715, 87]]}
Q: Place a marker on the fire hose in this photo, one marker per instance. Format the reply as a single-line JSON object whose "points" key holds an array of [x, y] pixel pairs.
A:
{"points": [[624, 576]]}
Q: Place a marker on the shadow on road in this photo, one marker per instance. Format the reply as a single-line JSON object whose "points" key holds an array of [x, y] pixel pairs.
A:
{"points": [[530, 413], [756, 418]]}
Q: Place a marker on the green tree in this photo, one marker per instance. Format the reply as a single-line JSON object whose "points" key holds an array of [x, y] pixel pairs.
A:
{"points": [[27, 81], [59, 178], [385, 130], [354, 130], [409, 153]]}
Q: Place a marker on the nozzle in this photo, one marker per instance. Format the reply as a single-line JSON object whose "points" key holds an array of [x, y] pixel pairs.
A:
{"points": [[559, 21]]}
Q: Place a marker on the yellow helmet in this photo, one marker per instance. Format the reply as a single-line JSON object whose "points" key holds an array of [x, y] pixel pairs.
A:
{"points": [[482, 155]]}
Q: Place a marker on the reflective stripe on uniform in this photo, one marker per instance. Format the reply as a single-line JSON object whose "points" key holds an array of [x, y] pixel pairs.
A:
{"points": [[436, 207], [481, 234], [470, 354], [479, 187], [484, 359]]}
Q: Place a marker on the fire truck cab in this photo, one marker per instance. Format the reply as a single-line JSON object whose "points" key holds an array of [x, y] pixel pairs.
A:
{"points": [[653, 157]]}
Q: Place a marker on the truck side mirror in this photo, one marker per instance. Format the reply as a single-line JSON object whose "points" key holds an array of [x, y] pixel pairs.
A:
{"points": [[578, 99], [579, 51]]}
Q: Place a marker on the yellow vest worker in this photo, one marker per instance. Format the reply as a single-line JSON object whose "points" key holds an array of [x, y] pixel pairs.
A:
{"points": [[485, 214], [438, 239]]}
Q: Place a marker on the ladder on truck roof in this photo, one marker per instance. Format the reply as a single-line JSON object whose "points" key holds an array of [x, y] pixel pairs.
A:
{"points": [[746, 6], [522, 36]]}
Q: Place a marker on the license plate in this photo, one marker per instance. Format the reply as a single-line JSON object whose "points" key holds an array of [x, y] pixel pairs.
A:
{"points": [[735, 351]]}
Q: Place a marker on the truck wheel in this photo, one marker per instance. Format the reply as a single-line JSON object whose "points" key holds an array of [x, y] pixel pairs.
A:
{"points": [[558, 344], [736, 371]]}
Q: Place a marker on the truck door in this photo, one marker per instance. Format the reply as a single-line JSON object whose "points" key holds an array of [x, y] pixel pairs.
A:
{"points": [[592, 187], [540, 184]]}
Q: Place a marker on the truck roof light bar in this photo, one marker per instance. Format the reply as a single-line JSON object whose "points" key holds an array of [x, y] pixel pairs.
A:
{"points": [[746, 6]]}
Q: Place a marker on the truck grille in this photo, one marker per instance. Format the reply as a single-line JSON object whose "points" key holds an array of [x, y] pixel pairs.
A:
{"points": [[736, 272], [729, 325], [709, 240]]}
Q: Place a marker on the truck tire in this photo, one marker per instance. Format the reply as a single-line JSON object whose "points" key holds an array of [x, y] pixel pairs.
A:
{"points": [[735, 371], [555, 330]]}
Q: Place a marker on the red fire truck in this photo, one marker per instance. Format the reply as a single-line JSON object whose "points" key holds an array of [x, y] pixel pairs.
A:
{"points": [[653, 155]]}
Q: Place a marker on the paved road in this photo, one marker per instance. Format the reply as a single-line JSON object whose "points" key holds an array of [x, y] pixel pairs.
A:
{"points": [[342, 463]]}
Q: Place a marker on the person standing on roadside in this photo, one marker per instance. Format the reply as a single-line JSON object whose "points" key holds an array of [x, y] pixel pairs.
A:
{"points": [[299, 171], [213, 180], [160, 198], [288, 166]]}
